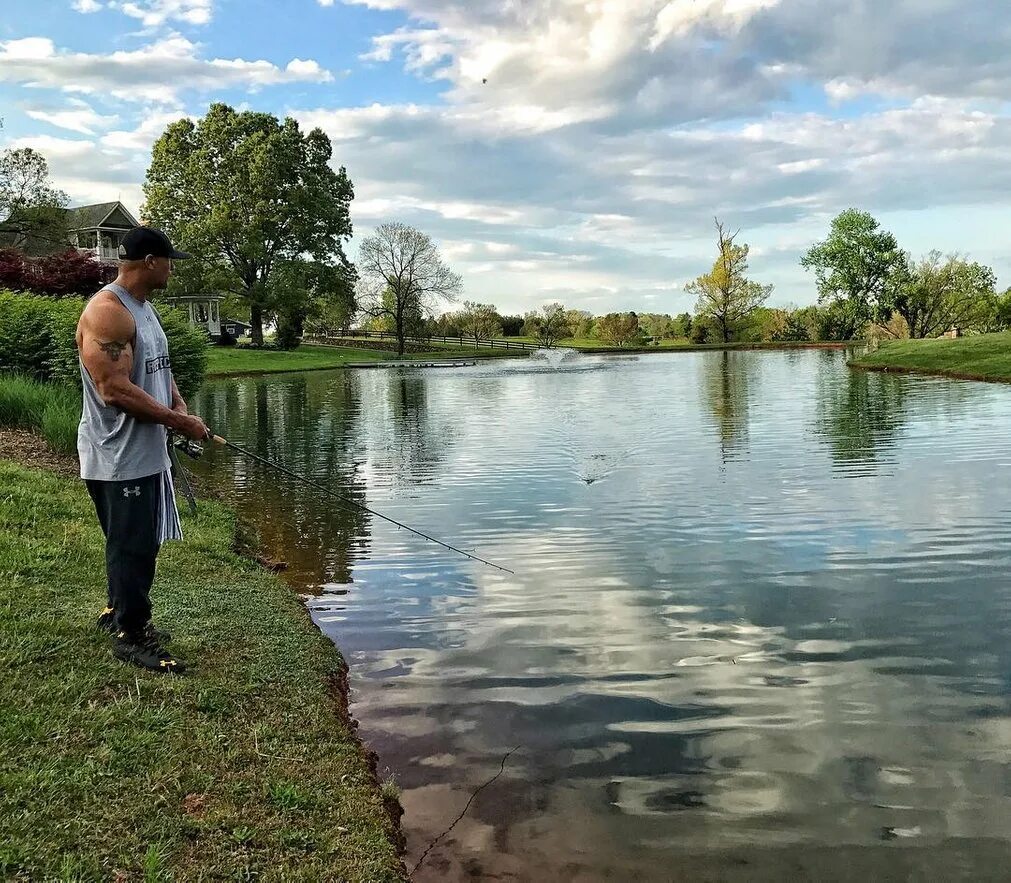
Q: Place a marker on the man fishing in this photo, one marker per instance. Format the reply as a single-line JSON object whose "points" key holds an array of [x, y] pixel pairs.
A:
{"points": [[130, 403]]}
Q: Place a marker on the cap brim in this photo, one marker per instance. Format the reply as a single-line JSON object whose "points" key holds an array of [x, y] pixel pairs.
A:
{"points": [[179, 255]]}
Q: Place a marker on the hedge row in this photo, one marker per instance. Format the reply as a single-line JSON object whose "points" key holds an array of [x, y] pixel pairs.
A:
{"points": [[37, 340]]}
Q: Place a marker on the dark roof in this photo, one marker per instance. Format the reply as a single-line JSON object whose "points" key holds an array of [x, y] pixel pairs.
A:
{"points": [[87, 216]]}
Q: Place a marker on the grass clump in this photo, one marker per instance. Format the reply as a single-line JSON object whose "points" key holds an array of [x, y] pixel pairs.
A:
{"points": [[49, 408]]}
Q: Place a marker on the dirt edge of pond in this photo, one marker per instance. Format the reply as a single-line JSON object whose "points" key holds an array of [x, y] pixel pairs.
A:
{"points": [[33, 451]]}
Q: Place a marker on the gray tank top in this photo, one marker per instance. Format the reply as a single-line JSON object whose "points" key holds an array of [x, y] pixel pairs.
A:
{"points": [[113, 446]]}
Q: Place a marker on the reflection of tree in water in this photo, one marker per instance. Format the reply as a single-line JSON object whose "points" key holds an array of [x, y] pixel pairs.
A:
{"points": [[725, 383], [308, 425], [859, 413], [416, 446]]}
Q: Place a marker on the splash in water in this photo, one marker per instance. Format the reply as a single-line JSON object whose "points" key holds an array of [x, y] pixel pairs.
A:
{"points": [[555, 357]]}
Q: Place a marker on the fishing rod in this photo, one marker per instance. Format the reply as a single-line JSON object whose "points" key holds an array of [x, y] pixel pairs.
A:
{"points": [[348, 501]]}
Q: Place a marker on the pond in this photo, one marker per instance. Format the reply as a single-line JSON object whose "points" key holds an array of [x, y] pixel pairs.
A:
{"points": [[760, 622]]}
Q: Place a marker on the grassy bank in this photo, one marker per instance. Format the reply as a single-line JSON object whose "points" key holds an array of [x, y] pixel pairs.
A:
{"points": [[244, 768], [230, 362], [51, 409], [981, 357]]}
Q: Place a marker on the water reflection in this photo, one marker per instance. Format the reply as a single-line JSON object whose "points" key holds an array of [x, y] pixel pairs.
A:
{"points": [[310, 427], [726, 382], [776, 650], [860, 416]]}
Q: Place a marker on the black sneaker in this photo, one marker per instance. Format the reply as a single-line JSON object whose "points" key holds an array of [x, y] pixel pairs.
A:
{"points": [[144, 650], [107, 623]]}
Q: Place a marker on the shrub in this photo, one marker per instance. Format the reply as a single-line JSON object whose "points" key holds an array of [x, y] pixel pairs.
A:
{"points": [[699, 332], [65, 274], [287, 337], [187, 349], [26, 335], [37, 340]]}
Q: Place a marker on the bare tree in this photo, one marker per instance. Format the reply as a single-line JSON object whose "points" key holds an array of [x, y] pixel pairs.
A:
{"points": [[403, 277], [725, 294]]}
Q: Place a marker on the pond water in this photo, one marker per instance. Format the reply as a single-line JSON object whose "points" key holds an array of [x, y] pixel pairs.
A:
{"points": [[760, 622]]}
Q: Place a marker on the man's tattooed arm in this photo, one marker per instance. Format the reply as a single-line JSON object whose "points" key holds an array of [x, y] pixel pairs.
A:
{"points": [[113, 349]]}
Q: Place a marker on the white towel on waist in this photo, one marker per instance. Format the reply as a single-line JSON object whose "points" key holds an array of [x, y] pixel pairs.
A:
{"points": [[169, 527]]}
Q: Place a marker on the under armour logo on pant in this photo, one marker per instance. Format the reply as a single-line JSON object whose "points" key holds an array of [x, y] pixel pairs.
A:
{"points": [[131, 491]]}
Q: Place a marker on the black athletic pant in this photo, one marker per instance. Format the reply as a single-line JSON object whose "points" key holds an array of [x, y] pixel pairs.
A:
{"points": [[128, 513]]}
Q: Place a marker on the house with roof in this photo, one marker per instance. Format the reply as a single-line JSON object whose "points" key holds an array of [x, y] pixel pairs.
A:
{"points": [[98, 229]]}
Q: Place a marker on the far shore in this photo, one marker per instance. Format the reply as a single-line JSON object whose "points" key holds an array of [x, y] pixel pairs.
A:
{"points": [[982, 357]]}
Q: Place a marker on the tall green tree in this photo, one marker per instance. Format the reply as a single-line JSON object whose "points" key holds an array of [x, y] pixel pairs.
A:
{"points": [[479, 321], [32, 211], [682, 325], [657, 326], [941, 293], [548, 324], [403, 277], [249, 193], [725, 294], [618, 329], [857, 268], [579, 323], [307, 290]]}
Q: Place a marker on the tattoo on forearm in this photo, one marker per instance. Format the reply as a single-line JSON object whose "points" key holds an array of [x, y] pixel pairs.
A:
{"points": [[114, 348]]}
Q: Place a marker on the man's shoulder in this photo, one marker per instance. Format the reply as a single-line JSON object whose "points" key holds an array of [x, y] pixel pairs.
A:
{"points": [[105, 309]]}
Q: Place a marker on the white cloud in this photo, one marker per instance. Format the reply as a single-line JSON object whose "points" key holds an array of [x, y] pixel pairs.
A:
{"points": [[78, 117], [153, 13], [156, 72], [142, 137], [87, 172], [609, 132], [86, 6]]}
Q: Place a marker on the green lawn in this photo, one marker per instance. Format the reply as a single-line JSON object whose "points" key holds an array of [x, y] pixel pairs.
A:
{"points": [[229, 361], [980, 357], [232, 362], [243, 768]]}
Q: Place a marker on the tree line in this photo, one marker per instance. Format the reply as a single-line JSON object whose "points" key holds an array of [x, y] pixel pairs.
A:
{"points": [[261, 205]]}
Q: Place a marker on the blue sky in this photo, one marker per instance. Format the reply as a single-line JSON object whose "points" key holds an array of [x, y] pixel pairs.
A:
{"points": [[588, 168]]}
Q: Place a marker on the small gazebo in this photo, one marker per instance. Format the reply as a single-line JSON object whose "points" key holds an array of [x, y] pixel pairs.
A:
{"points": [[204, 310]]}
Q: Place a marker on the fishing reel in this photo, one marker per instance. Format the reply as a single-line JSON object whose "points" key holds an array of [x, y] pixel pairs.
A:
{"points": [[192, 449]]}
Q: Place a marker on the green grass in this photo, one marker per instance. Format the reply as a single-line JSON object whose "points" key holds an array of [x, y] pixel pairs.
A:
{"points": [[229, 361], [52, 409], [243, 768], [980, 357]]}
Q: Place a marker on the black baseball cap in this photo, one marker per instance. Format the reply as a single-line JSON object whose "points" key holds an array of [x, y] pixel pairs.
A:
{"points": [[143, 241]]}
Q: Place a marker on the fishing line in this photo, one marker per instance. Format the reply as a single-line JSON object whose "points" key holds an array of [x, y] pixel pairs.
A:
{"points": [[349, 502]]}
